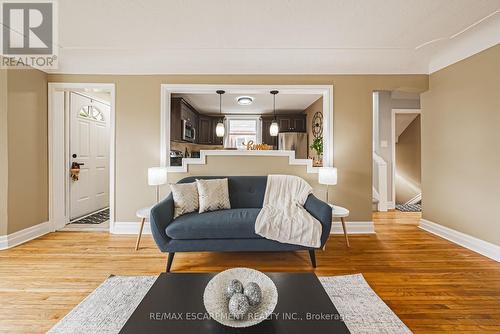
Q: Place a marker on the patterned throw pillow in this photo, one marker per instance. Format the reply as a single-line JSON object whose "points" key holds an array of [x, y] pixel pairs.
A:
{"points": [[185, 198], [213, 195]]}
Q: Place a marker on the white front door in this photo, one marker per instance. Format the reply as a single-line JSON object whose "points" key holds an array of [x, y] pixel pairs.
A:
{"points": [[89, 146]]}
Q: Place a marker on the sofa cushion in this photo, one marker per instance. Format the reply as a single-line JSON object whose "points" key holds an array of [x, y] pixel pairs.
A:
{"points": [[185, 197], [244, 191], [222, 224], [213, 195]]}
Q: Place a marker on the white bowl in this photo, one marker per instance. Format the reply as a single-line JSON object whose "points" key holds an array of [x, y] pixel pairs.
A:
{"points": [[216, 302]]}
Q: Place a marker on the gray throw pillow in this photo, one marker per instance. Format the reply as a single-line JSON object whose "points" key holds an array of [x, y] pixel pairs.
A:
{"points": [[213, 195], [185, 198]]}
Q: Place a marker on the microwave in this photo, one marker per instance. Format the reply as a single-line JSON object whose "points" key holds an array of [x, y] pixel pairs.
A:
{"points": [[188, 131]]}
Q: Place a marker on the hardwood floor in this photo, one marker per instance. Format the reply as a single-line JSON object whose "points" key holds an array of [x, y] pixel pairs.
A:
{"points": [[433, 285]]}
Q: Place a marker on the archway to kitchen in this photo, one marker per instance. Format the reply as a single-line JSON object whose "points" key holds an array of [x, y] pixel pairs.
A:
{"points": [[186, 109]]}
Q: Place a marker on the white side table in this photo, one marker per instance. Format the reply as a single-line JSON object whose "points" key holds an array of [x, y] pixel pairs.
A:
{"points": [[143, 214], [341, 212]]}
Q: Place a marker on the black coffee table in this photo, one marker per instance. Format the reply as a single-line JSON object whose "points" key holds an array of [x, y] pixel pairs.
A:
{"points": [[174, 304]]}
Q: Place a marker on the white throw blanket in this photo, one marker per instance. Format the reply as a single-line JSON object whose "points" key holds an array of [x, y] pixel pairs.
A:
{"points": [[283, 217]]}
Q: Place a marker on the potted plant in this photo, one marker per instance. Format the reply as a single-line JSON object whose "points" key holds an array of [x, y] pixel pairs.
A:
{"points": [[317, 146]]}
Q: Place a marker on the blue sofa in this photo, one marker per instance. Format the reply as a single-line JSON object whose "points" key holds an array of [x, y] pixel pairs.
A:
{"points": [[227, 230]]}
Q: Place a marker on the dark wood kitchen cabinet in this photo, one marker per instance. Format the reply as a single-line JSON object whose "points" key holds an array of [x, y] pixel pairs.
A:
{"points": [[189, 113], [266, 137], [204, 129], [206, 126], [175, 119], [299, 123], [216, 140], [285, 123], [292, 123], [180, 110]]}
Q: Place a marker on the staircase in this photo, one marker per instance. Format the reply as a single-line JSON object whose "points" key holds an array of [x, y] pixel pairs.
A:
{"points": [[413, 205]]}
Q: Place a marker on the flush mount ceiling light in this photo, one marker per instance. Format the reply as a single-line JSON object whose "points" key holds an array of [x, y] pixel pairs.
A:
{"points": [[245, 100], [219, 129], [274, 128]]}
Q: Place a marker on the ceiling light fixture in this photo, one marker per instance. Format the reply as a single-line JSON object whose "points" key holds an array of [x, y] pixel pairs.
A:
{"points": [[245, 100], [219, 129], [274, 127]]}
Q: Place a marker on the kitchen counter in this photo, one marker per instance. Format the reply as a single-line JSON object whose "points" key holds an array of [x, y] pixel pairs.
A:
{"points": [[269, 153]]}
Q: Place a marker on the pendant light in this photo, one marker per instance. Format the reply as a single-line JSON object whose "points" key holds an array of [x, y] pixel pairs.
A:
{"points": [[219, 129], [274, 128]]}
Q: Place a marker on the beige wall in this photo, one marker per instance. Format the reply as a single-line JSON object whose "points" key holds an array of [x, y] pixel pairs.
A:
{"points": [[408, 179], [4, 167], [138, 130], [27, 149], [460, 146], [310, 111], [248, 165]]}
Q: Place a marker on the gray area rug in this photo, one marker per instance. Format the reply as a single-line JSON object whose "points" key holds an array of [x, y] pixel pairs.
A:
{"points": [[362, 309], [95, 218], [409, 207], [110, 305]]}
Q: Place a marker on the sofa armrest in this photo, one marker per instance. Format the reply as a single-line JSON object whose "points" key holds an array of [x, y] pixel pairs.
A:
{"points": [[162, 214], [322, 212]]}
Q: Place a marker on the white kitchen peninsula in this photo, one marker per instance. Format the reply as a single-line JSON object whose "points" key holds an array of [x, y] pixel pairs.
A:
{"points": [[269, 153]]}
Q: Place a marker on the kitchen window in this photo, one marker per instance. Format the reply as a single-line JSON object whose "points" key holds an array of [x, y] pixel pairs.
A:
{"points": [[242, 130]]}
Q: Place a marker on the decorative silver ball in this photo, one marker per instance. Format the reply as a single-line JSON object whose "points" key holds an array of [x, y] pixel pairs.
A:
{"points": [[253, 293], [234, 286], [238, 306]]}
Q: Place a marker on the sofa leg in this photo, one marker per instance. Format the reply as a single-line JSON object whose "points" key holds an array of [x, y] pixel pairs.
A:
{"points": [[169, 261], [312, 255]]}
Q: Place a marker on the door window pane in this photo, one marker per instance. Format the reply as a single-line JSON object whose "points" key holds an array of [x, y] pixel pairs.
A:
{"points": [[92, 113]]}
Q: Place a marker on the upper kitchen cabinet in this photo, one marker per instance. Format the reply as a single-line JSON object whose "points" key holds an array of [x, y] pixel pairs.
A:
{"points": [[299, 123], [181, 111], [266, 137], [206, 133], [205, 130], [292, 123], [216, 140]]}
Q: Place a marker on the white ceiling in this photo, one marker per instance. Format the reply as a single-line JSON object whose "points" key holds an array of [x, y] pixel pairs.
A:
{"points": [[262, 103], [272, 37]]}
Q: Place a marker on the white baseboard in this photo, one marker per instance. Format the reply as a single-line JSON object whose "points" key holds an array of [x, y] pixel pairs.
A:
{"points": [[474, 244], [19, 237], [352, 228], [130, 228], [391, 205]]}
